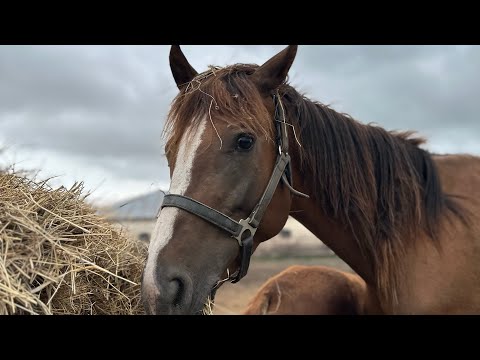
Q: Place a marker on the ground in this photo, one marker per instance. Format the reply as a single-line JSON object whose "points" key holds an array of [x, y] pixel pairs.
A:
{"points": [[231, 299]]}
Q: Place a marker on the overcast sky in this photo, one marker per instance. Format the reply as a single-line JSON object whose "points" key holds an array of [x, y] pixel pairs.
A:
{"points": [[95, 113]]}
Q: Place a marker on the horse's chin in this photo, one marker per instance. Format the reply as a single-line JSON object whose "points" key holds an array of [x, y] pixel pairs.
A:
{"points": [[203, 303], [207, 306]]}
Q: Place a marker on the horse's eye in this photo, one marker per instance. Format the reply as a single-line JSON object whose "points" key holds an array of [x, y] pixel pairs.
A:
{"points": [[245, 142]]}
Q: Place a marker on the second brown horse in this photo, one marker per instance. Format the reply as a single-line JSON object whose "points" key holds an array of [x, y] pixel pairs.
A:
{"points": [[313, 290]]}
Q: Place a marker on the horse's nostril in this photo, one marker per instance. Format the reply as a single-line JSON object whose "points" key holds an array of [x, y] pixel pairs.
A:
{"points": [[176, 290], [169, 291]]}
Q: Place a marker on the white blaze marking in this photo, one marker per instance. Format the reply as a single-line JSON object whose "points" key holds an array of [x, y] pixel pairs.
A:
{"points": [[181, 178]]}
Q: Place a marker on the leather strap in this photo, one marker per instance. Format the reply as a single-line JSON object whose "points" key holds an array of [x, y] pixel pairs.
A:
{"points": [[204, 211], [245, 255], [281, 124], [257, 214]]}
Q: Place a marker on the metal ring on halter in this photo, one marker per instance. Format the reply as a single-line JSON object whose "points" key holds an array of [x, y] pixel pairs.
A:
{"points": [[245, 227]]}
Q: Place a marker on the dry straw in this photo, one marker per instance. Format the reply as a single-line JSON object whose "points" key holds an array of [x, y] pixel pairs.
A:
{"points": [[57, 256]]}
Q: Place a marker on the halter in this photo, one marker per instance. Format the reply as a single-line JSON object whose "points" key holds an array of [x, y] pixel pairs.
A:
{"points": [[244, 230]]}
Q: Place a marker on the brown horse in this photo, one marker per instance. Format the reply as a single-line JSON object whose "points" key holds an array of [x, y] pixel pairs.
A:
{"points": [[243, 145], [313, 290]]}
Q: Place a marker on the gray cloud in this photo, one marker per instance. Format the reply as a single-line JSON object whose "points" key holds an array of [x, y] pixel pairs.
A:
{"points": [[104, 106]]}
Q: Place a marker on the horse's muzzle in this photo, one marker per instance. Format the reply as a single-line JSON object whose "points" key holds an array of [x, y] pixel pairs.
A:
{"points": [[167, 292]]}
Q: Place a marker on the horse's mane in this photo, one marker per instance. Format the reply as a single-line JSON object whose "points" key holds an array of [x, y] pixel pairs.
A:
{"points": [[380, 184]]}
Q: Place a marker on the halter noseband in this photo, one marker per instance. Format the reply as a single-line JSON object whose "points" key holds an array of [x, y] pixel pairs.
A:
{"points": [[244, 230]]}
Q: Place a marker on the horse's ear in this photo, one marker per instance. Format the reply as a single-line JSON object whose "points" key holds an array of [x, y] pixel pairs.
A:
{"points": [[270, 75], [182, 71]]}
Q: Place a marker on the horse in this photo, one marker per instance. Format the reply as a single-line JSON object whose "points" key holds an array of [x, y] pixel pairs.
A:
{"points": [[246, 150], [312, 290]]}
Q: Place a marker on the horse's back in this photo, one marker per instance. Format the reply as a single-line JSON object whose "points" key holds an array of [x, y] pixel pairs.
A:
{"points": [[460, 178], [459, 174], [310, 290], [446, 279]]}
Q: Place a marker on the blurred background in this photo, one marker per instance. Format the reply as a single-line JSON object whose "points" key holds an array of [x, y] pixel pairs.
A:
{"points": [[95, 114]]}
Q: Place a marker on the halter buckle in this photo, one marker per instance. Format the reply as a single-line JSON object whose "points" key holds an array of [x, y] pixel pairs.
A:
{"points": [[245, 226]]}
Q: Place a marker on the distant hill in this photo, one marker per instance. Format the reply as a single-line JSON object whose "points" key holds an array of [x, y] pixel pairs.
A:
{"points": [[143, 207]]}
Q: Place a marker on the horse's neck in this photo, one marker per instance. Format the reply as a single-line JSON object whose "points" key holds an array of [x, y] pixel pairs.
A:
{"points": [[336, 236], [342, 243], [432, 280]]}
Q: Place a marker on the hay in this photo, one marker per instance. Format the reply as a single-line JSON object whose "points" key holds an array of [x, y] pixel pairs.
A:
{"points": [[57, 256]]}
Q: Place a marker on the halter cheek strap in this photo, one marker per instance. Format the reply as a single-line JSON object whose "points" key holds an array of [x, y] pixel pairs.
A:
{"points": [[244, 230]]}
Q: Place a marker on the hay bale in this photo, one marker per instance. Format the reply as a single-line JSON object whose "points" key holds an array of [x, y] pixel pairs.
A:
{"points": [[57, 256]]}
